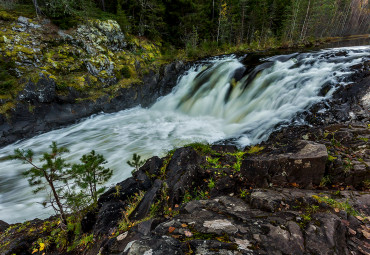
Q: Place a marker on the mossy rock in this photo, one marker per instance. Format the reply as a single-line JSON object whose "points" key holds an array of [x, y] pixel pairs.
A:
{"points": [[5, 15]]}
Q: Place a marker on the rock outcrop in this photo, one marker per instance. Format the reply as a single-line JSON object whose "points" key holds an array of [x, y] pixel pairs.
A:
{"points": [[62, 76]]}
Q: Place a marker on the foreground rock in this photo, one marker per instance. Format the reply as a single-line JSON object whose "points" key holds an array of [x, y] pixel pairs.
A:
{"points": [[203, 200]]}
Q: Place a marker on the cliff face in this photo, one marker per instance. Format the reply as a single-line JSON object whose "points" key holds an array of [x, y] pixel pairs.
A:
{"points": [[60, 76]]}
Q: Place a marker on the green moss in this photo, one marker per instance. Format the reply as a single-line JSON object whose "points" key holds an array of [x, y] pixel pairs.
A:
{"points": [[337, 204], [7, 16], [204, 149], [255, 149]]}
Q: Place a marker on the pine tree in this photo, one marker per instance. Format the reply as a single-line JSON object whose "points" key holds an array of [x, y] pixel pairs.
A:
{"points": [[90, 174], [53, 171]]}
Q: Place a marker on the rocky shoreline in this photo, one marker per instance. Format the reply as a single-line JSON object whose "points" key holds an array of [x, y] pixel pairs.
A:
{"points": [[51, 110], [304, 191]]}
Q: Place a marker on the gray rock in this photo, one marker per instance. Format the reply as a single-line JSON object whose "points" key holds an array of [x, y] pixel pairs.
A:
{"points": [[328, 236], [305, 165], [23, 20], [43, 91]]}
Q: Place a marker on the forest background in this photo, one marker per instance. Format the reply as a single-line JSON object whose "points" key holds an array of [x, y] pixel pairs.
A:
{"points": [[206, 25]]}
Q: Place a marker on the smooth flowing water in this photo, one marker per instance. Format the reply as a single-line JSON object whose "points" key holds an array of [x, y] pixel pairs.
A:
{"points": [[216, 99]]}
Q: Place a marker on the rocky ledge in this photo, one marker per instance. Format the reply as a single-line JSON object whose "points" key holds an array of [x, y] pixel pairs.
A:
{"points": [[54, 77], [285, 196], [40, 108]]}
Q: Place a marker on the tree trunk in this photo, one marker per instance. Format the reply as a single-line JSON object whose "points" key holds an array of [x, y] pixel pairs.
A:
{"points": [[57, 200], [103, 4], [243, 16], [305, 21], [37, 8]]}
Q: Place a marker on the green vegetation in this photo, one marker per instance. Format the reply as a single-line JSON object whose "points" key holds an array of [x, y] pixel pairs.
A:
{"points": [[136, 162], [90, 174], [325, 181], [125, 224], [72, 188], [202, 148], [336, 204], [7, 80]]}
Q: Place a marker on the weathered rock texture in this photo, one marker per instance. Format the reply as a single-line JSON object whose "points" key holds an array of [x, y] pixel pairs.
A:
{"points": [[62, 76]]}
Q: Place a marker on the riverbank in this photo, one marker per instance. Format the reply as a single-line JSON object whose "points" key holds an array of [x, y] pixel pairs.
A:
{"points": [[304, 190], [55, 77]]}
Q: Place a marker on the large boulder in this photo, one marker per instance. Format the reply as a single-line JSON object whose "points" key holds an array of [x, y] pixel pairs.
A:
{"points": [[304, 165]]}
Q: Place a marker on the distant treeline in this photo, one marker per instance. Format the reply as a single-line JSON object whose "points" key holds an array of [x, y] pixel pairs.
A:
{"points": [[191, 22]]}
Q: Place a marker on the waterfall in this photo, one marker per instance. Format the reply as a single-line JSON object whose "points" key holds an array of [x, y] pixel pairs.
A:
{"points": [[216, 99]]}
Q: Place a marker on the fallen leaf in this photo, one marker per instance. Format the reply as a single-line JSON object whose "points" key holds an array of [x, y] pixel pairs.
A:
{"points": [[336, 210], [171, 229], [176, 205], [295, 184], [184, 225]]}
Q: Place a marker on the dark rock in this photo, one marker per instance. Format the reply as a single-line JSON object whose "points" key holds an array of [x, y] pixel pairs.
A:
{"points": [[143, 208], [50, 111], [305, 166], [121, 191], [224, 148], [287, 240], [109, 215], [88, 221], [142, 178], [183, 172], [152, 166], [3, 226], [327, 236]]}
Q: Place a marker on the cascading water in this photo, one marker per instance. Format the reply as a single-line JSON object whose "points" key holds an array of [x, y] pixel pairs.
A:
{"points": [[217, 99]]}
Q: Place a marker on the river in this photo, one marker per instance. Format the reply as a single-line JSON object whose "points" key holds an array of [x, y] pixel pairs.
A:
{"points": [[216, 99]]}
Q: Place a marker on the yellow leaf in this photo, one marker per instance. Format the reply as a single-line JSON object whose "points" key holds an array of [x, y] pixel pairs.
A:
{"points": [[42, 246], [34, 251]]}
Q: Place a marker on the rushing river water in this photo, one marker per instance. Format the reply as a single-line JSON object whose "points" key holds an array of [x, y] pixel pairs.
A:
{"points": [[212, 101]]}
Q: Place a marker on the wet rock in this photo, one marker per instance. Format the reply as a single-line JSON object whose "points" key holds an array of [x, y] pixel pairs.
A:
{"points": [[3, 226], [305, 165], [50, 111]]}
